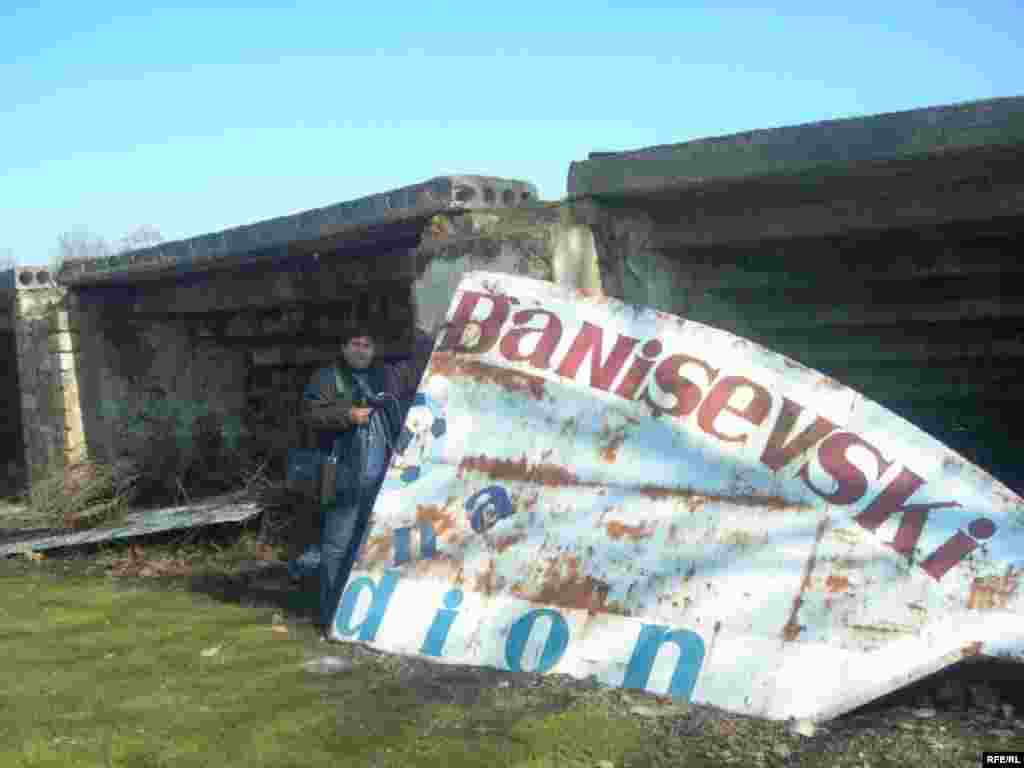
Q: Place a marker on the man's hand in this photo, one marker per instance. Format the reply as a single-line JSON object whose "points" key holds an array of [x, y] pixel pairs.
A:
{"points": [[359, 415]]}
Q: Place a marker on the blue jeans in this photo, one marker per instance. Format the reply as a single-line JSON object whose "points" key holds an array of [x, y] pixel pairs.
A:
{"points": [[342, 533], [345, 524]]}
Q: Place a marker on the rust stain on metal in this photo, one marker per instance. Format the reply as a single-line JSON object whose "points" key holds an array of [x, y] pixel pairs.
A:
{"points": [[613, 440], [449, 365], [553, 475], [617, 530], [880, 629], [505, 542], [506, 469], [837, 583], [486, 581], [971, 649], [441, 567], [656, 493], [830, 383], [792, 629], [993, 592], [436, 517], [378, 549], [562, 584]]}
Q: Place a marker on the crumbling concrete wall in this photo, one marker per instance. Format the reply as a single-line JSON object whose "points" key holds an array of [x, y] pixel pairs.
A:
{"points": [[44, 343], [169, 367], [924, 320], [148, 377], [234, 349], [634, 267], [12, 440], [12, 444], [542, 242], [889, 264], [162, 361]]}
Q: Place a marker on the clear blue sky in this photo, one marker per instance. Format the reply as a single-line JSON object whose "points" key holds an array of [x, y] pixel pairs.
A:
{"points": [[191, 119]]}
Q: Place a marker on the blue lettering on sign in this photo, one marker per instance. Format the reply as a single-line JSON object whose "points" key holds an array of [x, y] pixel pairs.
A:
{"points": [[403, 542], [487, 507], [691, 657], [555, 645], [651, 639], [433, 643], [380, 596]]}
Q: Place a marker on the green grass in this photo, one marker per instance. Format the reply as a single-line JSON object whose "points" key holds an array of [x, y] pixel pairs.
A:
{"points": [[96, 671], [104, 671]]}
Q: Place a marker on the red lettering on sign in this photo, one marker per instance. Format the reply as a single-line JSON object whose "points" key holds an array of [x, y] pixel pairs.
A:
{"points": [[602, 373], [718, 400], [851, 483], [949, 553], [550, 335], [778, 452], [671, 381], [892, 501], [639, 369], [668, 391], [490, 327]]}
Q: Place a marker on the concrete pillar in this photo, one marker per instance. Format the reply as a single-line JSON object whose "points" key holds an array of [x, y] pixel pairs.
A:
{"points": [[544, 243], [46, 341], [574, 259]]}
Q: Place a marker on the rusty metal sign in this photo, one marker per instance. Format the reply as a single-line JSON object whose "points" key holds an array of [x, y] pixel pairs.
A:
{"points": [[597, 489]]}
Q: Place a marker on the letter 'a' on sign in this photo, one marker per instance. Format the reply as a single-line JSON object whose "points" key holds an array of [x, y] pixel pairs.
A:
{"points": [[588, 488]]}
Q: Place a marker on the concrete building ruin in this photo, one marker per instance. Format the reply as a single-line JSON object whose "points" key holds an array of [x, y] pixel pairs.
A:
{"points": [[880, 250], [218, 334]]}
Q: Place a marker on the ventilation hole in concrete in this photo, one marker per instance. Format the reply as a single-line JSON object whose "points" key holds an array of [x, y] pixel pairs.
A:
{"points": [[42, 276], [464, 194], [489, 195], [525, 196], [508, 197], [25, 278]]}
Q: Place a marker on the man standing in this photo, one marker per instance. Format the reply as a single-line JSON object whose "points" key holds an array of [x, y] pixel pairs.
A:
{"points": [[356, 409]]}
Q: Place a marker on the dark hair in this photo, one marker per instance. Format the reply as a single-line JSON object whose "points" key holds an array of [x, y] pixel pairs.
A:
{"points": [[355, 333]]}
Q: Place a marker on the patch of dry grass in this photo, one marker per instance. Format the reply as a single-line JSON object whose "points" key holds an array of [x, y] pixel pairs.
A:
{"points": [[80, 495]]}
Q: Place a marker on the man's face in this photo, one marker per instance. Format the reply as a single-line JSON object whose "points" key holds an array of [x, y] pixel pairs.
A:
{"points": [[358, 352]]}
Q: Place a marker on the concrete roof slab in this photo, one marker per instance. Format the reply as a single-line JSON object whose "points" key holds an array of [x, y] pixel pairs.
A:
{"points": [[351, 220], [826, 147]]}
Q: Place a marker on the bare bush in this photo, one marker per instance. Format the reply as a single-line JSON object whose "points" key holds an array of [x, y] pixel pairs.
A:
{"points": [[82, 245], [140, 237], [81, 495]]}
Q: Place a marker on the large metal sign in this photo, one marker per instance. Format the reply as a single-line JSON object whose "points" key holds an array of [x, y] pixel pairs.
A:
{"points": [[591, 488]]}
